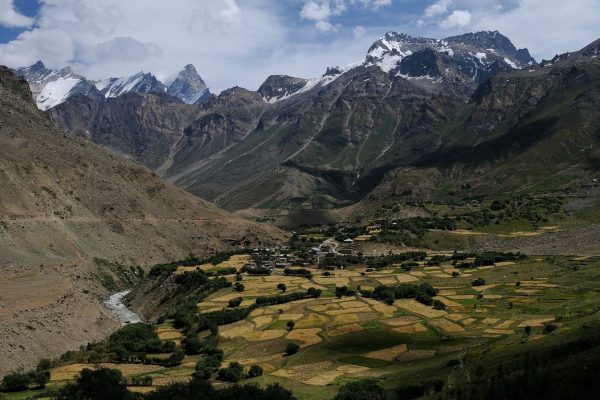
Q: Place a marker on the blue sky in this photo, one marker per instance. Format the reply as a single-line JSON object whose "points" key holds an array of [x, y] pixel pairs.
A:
{"points": [[29, 8], [240, 42]]}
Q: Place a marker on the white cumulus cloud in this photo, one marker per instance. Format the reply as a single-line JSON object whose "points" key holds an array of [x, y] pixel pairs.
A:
{"points": [[10, 17], [458, 18], [438, 8]]}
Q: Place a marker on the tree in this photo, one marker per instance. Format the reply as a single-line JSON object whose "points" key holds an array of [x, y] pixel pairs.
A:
{"points": [[16, 381], [41, 378], [341, 291], [238, 277], [169, 346], [254, 371], [176, 358], [282, 287], [364, 389], [238, 287], [98, 384], [207, 366], [233, 373], [438, 305], [527, 330], [235, 302], [478, 282], [291, 348], [192, 345], [44, 364], [290, 325]]}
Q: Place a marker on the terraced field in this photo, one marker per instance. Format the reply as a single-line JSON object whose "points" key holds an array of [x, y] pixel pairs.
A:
{"points": [[354, 337], [532, 302]]}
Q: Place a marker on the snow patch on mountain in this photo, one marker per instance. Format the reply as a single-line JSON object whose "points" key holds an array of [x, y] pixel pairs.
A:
{"points": [[55, 92]]}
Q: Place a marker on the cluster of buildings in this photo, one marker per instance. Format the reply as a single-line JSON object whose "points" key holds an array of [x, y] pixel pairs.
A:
{"points": [[283, 257]]}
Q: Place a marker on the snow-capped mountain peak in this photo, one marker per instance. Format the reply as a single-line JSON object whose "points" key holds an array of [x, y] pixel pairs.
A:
{"points": [[50, 87], [188, 86], [139, 83]]}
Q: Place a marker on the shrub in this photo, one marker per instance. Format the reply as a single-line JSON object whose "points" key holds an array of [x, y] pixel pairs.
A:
{"points": [[549, 328], [235, 302], [192, 345], [233, 373], [364, 389], [208, 365], [16, 381], [478, 282], [290, 325], [298, 272], [41, 378], [44, 364], [282, 287], [98, 384], [292, 348], [238, 287], [254, 371], [341, 291], [438, 305]]}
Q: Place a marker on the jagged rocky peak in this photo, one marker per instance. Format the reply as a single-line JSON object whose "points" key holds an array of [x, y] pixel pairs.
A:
{"points": [[188, 86], [493, 41], [460, 62], [139, 83], [278, 87], [237, 96], [50, 87]]}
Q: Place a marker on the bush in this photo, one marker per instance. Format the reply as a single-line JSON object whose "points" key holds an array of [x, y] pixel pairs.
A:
{"points": [[438, 305], [98, 384], [254, 371], [290, 325], [286, 298], [176, 358], [364, 389], [41, 378], [282, 287], [44, 364], [208, 365], [192, 345], [292, 348], [235, 302], [478, 282], [238, 287], [298, 272], [341, 291], [233, 373], [16, 381], [549, 328]]}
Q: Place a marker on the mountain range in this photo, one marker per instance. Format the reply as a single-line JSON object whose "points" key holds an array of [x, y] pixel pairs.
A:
{"points": [[416, 119], [50, 87]]}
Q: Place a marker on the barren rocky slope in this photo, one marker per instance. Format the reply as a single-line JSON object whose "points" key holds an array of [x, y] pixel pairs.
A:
{"points": [[64, 202]]}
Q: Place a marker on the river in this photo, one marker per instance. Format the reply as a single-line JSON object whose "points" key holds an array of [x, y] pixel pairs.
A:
{"points": [[115, 304]]}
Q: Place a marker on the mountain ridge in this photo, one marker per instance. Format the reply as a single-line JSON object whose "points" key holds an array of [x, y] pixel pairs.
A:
{"points": [[51, 88], [329, 141]]}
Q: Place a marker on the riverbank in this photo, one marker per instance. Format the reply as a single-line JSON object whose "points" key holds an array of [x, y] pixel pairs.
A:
{"points": [[115, 304]]}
